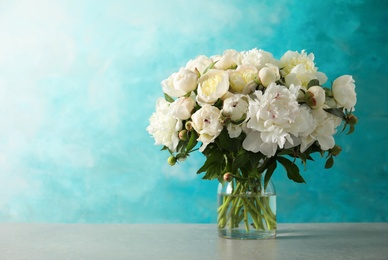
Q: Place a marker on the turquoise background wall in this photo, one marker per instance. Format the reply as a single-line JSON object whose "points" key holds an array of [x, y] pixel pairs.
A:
{"points": [[79, 80]]}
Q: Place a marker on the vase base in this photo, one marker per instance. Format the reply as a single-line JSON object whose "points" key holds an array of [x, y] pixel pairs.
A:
{"points": [[243, 235]]}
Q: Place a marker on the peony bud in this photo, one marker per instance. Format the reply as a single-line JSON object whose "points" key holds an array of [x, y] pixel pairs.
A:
{"points": [[267, 76], [189, 126], [309, 99], [228, 177], [344, 92], [183, 135], [171, 160], [315, 97], [336, 150]]}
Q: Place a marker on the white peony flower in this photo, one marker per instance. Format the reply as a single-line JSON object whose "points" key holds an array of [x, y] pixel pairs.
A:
{"points": [[299, 76], [269, 74], [271, 116], [326, 126], [229, 59], [292, 59], [200, 63], [206, 122], [254, 143], [235, 107], [163, 126], [304, 125], [257, 58], [212, 86], [243, 79], [344, 92], [299, 68], [182, 107], [180, 83]]}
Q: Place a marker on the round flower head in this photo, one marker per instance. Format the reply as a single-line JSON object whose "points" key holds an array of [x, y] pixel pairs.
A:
{"points": [[180, 83], [163, 126], [206, 122], [344, 92], [271, 116], [212, 86]]}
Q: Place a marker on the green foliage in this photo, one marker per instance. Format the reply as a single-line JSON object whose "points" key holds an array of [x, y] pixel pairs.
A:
{"points": [[226, 154], [192, 142], [292, 170], [329, 162], [229, 144], [312, 83], [351, 129], [215, 164], [168, 98], [268, 174], [336, 111], [209, 67]]}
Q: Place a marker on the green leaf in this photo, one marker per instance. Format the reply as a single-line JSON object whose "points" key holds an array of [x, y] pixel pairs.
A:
{"points": [[329, 163], [255, 159], [268, 174], [303, 158], [192, 141], [312, 83], [181, 156], [351, 129], [328, 92], [188, 94], [336, 111], [221, 180], [218, 103], [214, 158], [180, 145], [166, 148], [227, 143], [310, 158], [286, 152], [168, 98], [242, 158], [198, 73], [292, 170], [209, 67], [215, 170]]}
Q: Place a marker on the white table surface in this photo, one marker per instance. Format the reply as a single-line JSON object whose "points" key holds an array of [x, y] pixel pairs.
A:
{"points": [[190, 241]]}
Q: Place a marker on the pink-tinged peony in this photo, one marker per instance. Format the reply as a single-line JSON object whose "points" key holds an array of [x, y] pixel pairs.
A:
{"points": [[206, 122], [271, 117]]}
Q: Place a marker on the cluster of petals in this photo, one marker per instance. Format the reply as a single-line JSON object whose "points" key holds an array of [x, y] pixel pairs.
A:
{"points": [[251, 94]]}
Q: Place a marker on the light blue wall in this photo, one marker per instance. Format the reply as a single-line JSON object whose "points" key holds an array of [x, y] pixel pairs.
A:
{"points": [[79, 80]]}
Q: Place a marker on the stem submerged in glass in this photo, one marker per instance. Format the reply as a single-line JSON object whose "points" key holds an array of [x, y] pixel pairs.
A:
{"points": [[248, 206]]}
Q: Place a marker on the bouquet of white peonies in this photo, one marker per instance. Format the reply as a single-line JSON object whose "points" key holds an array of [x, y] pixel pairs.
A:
{"points": [[247, 111]]}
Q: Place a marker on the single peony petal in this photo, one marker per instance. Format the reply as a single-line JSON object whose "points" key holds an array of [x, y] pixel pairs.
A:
{"points": [[252, 142]]}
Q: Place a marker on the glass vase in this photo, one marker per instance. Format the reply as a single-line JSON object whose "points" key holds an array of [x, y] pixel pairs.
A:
{"points": [[247, 211]]}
